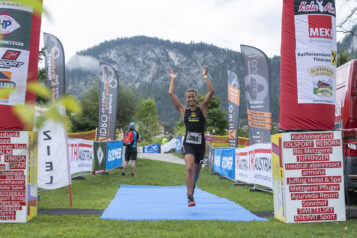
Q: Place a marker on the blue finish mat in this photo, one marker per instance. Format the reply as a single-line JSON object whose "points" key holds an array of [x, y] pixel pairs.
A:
{"points": [[134, 202]]}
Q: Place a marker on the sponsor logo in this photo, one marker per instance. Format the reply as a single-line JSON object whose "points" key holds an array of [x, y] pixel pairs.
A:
{"points": [[306, 6], [100, 155], [107, 76], [320, 26], [7, 24], [333, 58], [114, 154], [8, 60], [5, 82]]}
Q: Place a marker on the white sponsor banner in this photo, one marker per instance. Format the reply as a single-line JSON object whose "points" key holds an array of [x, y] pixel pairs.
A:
{"points": [[316, 76], [80, 155], [263, 174], [313, 176], [243, 173], [316, 58], [53, 164], [169, 146], [14, 156]]}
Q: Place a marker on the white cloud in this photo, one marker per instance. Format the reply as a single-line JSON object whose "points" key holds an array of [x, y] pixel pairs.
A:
{"points": [[83, 62]]}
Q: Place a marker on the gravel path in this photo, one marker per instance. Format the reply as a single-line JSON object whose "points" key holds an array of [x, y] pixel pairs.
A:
{"points": [[162, 157]]}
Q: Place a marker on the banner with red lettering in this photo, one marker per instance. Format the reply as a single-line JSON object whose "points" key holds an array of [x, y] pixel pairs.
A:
{"points": [[308, 65], [18, 191], [242, 162], [19, 52], [313, 181], [80, 155], [263, 174]]}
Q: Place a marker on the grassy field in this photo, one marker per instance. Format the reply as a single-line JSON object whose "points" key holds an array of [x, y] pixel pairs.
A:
{"points": [[97, 191]]}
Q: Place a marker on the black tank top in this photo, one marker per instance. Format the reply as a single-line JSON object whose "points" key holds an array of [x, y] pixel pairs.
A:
{"points": [[195, 122]]}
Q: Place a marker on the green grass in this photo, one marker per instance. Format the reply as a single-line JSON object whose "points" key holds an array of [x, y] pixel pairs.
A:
{"points": [[180, 155], [97, 191]]}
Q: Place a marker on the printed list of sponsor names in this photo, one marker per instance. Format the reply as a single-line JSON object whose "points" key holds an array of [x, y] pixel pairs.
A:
{"points": [[314, 175], [12, 176]]}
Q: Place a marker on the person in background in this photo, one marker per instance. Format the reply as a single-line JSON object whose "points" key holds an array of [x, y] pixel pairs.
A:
{"points": [[194, 117], [131, 150]]}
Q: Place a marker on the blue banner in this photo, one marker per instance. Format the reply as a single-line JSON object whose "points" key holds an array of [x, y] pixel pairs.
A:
{"points": [[154, 148], [114, 154], [179, 144], [217, 160], [227, 163]]}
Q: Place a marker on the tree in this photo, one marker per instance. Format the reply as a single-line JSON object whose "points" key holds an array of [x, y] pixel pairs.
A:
{"points": [[343, 57], [88, 120], [147, 119], [179, 129], [216, 117]]}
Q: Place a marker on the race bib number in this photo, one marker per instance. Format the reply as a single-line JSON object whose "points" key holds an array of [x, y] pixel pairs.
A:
{"points": [[194, 138]]}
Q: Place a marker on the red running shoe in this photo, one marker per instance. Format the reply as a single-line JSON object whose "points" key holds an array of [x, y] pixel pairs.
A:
{"points": [[191, 201]]}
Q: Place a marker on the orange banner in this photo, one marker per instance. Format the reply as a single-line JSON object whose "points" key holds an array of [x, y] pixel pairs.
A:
{"points": [[233, 95], [259, 125], [259, 119], [259, 114]]}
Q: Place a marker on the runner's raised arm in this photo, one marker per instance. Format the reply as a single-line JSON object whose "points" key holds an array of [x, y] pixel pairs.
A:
{"points": [[205, 102], [180, 107]]}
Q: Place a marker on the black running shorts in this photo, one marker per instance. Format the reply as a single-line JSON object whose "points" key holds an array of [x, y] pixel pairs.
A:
{"points": [[198, 151], [130, 153]]}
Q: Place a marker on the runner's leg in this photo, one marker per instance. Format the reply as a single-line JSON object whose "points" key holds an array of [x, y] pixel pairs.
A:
{"points": [[196, 173], [189, 160]]}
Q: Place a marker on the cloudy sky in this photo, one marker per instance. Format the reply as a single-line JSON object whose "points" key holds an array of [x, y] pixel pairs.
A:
{"points": [[81, 24]]}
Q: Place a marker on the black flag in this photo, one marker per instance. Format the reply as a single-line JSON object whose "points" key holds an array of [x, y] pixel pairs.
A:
{"points": [[108, 100], [54, 61], [257, 91]]}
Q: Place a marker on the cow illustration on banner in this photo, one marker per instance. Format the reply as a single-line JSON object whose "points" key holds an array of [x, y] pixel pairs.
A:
{"points": [[257, 91], [108, 99]]}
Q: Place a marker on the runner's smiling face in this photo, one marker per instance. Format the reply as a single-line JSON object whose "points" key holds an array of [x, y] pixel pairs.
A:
{"points": [[191, 98]]}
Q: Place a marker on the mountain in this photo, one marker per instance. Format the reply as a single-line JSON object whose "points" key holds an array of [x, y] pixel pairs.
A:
{"points": [[349, 43], [144, 62]]}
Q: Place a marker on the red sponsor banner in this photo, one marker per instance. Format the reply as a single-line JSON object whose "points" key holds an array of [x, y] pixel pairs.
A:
{"points": [[298, 144], [312, 180], [315, 210], [314, 203], [312, 151], [324, 143], [307, 158], [13, 146], [15, 158], [309, 196], [318, 165], [312, 136], [314, 188], [314, 172], [315, 217], [320, 26]]}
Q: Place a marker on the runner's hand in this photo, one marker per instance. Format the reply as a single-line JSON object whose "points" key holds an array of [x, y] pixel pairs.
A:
{"points": [[205, 70], [172, 75]]}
